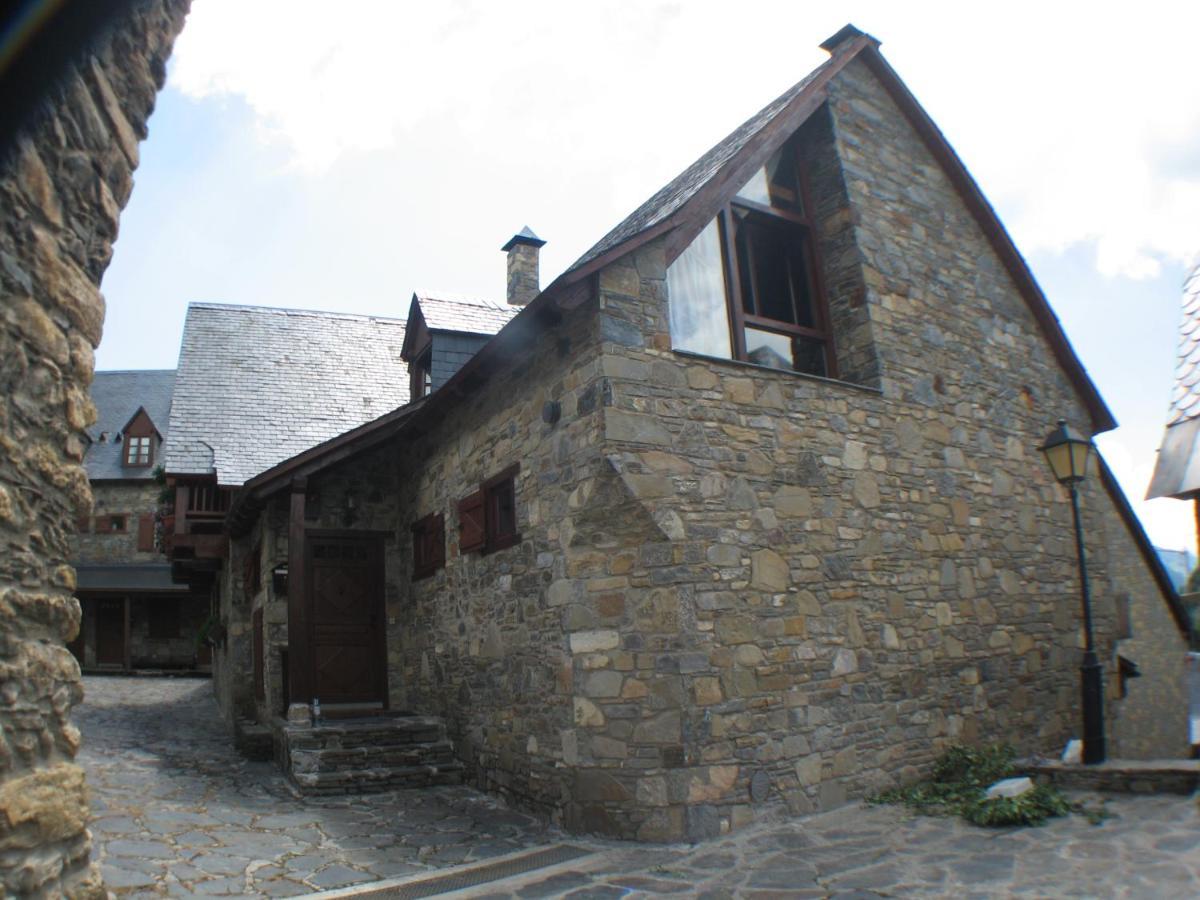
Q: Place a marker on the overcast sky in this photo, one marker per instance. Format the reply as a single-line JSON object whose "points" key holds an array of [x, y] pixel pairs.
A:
{"points": [[340, 156]]}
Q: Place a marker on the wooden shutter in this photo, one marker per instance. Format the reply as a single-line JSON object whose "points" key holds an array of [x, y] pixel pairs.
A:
{"points": [[472, 529], [146, 532], [82, 523]]}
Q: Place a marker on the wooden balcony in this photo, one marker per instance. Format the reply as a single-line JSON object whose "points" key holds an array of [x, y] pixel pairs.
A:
{"points": [[195, 535]]}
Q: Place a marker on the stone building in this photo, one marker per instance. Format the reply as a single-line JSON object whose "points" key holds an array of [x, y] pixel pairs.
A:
{"points": [[87, 76], [135, 615], [744, 508]]}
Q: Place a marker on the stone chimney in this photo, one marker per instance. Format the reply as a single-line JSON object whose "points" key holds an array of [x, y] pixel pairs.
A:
{"points": [[523, 281]]}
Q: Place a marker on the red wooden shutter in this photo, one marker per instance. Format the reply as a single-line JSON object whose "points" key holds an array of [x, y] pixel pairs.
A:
{"points": [[81, 524], [146, 532], [472, 530]]}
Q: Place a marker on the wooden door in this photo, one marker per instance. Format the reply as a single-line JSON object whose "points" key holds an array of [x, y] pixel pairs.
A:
{"points": [[110, 631], [346, 615]]}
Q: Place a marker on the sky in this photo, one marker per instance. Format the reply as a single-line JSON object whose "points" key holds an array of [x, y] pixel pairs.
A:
{"points": [[341, 160]]}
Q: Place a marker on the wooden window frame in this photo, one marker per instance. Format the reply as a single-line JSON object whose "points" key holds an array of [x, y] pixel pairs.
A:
{"points": [[128, 457], [421, 374], [494, 490], [799, 222], [481, 525], [429, 545]]}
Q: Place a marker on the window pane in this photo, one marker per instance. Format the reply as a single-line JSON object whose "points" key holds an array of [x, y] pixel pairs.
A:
{"points": [[776, 183], [696, 292], [774, 274], [783, 351]]}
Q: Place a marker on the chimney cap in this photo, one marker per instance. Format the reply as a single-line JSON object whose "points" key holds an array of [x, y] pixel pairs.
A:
{"points": [[524, 236]]}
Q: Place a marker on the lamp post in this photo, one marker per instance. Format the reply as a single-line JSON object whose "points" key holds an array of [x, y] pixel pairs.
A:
{"points": [[1067, 453]]}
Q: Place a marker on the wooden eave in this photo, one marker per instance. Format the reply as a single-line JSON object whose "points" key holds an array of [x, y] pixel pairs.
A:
{"points": [[416, 333]]}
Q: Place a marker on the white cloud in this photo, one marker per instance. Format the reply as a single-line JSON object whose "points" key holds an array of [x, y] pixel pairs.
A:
{"points": [[1071, 115]]}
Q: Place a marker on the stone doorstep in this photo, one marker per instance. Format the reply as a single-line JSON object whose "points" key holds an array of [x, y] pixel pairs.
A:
{"points": [[1135, 776], [372, 758], [368, 781]]}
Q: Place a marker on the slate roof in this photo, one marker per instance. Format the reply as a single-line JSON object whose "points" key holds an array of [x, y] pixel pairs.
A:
{"points": [[117, 396], [256, 385], [1177, 469], [684, 186], [447, 312], [1185, 403]]}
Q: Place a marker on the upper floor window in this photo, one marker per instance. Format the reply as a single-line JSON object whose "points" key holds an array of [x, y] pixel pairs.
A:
{"points": [[421, 375], [747, 287], [138, 450]]}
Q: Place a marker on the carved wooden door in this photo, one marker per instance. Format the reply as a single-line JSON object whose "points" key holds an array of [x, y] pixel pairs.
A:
{"points": [[345, 578]]}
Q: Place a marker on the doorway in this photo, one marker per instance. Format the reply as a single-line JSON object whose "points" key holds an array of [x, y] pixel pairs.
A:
{"points": [[346, 616]]}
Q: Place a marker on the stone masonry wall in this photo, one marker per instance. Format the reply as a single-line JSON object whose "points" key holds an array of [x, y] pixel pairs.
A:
{"points": [[846, 578], [1148, 723], [62, 192], [130, 499], [483, 641]]}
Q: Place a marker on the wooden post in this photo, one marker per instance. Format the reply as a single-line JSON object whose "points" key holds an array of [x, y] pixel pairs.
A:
{"points": [[128, 661], [300, 662], [181, 505]]}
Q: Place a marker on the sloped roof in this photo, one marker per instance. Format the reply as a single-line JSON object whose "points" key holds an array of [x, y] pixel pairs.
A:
{"points": [[1177, 470], [685, 185], [448, 312], [257, 385], [117, 397]]}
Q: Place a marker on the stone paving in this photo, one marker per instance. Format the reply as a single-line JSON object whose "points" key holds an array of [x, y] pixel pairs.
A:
{"points": [[177, 812], [1148, 848]]}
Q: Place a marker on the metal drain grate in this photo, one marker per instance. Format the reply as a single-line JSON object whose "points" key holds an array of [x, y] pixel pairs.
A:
{"points": [[457, 881]]}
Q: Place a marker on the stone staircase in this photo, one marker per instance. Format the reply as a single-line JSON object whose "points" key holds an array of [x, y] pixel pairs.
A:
{"points": [[378, 753]]}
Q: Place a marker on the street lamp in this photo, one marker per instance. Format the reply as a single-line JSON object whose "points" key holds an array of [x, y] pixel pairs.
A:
{"points": [[1067, 453]]}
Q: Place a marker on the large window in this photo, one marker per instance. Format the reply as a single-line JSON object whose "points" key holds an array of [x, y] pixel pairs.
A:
{"points": [[747, 287]]}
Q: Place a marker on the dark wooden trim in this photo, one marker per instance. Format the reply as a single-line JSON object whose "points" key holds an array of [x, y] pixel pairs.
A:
{"points": [[503, 475], [300, 683], [181, 505], [997, 236], [733, 285]]}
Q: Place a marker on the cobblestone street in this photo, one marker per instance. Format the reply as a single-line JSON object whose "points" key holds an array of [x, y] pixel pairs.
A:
{"points": [[178, 813]]}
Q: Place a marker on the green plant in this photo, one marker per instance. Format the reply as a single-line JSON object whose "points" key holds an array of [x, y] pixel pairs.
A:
{"points": [[958, 784]]}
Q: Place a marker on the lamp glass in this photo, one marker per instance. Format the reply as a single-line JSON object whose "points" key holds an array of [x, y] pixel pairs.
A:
{"points": [[1067, 453]]}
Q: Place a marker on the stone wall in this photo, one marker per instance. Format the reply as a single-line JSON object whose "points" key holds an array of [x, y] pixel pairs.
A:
{"points": [[131, 499], [63, 189]]}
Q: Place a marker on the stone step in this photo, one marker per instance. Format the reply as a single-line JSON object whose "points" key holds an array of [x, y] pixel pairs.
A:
{"points": [[347, 756], [349, 734], [365, 781], [355, 758]]}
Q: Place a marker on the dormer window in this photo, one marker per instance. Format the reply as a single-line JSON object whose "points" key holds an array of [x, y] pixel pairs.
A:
{"points": [[747, 287], [138, 451], [422, 374]]}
